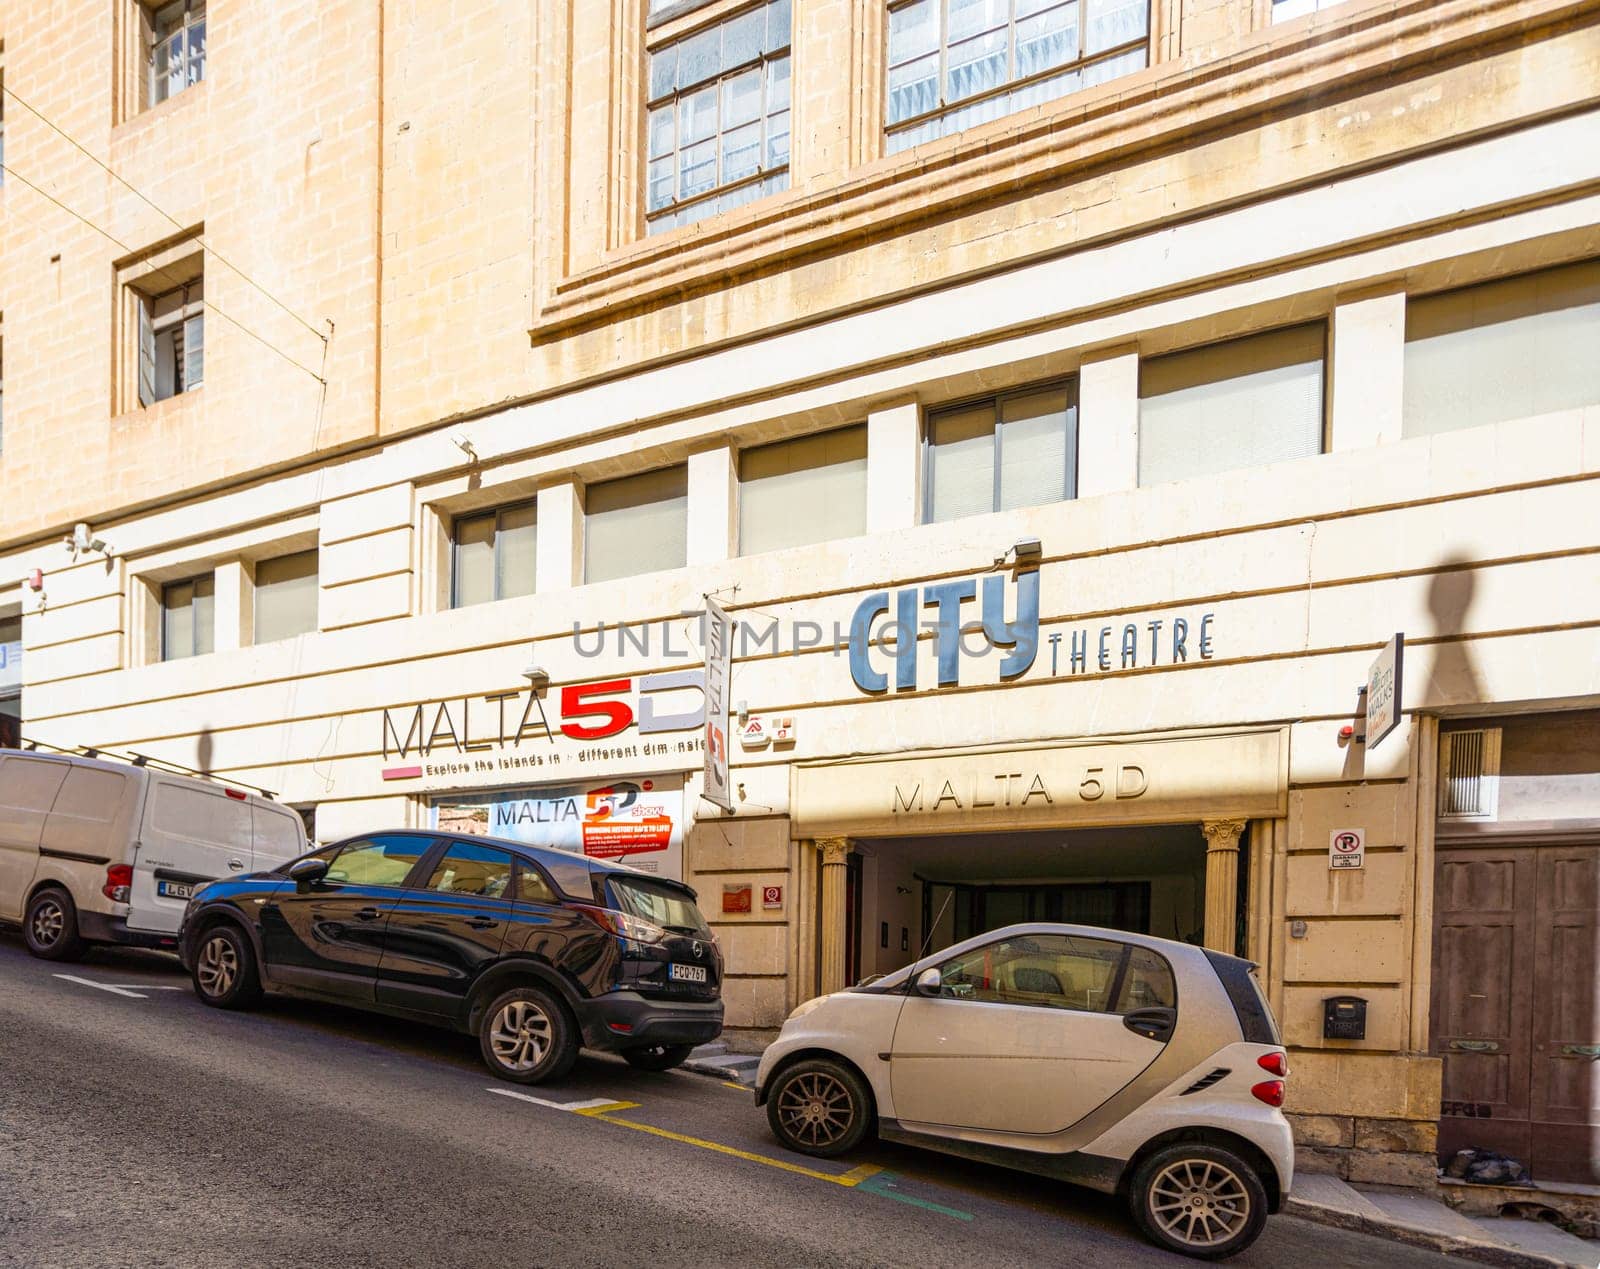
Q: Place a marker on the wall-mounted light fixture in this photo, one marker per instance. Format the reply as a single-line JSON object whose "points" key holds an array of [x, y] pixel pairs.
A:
{"points": [[1023, 553], [538, 679]]}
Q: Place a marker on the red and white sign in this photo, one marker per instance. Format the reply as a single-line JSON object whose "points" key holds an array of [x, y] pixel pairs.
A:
{"points": [[736, 896], [772, 896], [1347, 848]]}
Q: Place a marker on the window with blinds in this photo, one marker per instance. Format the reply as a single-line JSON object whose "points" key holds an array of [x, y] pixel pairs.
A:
{"points": [[172, 342], [810, 489], [954, 64], [1244, 403], [286, 596], [717, 119], [1019, 449], [493, 555], [188, 618], [639, 524], [1511, 349]]}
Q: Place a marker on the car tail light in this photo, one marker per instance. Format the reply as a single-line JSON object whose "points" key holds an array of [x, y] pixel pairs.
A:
{"points": [[1276, 1063], [119, 883], [623, 924], [1269, 1091]]}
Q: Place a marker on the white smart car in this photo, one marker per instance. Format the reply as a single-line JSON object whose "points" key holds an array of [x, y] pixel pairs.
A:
{"points": [[1130, 1064]]}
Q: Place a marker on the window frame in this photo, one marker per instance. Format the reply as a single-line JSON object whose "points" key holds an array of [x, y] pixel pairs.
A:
{"points": [[1118, 980], [763, 60], [165, 589], [425, 882], [740, 481], [497, 514], [432, 849], [996, 401], [1011, 83], [194, 14], [151, 328], [255, 596]]}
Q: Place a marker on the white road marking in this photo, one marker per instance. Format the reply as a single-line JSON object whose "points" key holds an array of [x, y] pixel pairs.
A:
{"points": [[540, 1101], [115, 991]]}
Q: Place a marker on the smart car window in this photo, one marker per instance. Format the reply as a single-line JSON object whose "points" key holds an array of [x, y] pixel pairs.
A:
{"points": [[473, 870], [377, 861], [1048, 971], [1148, 983]]}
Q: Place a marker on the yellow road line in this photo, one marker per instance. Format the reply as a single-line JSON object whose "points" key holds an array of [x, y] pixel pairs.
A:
{"points": [[848, 1179], [738, 1088]]}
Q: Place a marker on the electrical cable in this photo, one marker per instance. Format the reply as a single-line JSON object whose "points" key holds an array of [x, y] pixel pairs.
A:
{"points": [[140, 194], [163, 272]]}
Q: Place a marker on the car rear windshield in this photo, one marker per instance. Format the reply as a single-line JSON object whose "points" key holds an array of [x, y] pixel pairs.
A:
{"points": [[667, 906], [1238, 977]]}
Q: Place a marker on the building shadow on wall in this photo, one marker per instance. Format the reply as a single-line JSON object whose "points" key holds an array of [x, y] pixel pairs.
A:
{"points": [[203, 751], [1455, 679]]}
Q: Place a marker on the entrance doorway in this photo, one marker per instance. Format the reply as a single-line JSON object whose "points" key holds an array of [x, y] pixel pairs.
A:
{"points": [[931, 892], [1514, 1010]]}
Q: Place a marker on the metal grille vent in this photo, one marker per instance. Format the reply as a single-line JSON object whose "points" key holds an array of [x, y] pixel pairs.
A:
{"points": [[1207, 1080], [1469, 774]]}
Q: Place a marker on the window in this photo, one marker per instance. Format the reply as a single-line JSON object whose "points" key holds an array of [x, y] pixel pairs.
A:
{"points": [[1001, 453], [172, 341], [177, 34], [532, 886], [493, 555], [718, 117], [467, 868], [286, 596], [1245, 403], [2, 383], [639, 524], [669, 908], [10, 679], [1511, 349], [1283, 10], [188, 618], [1060, 971], [378, 861], [954, 64], [810, 489]]}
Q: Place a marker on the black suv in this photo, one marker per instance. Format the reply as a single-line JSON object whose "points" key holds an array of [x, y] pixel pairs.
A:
{"points": [[536, 951]]}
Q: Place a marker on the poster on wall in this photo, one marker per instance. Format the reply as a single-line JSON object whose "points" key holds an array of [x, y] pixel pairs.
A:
{"points": [[638, 822], [719, 652]]}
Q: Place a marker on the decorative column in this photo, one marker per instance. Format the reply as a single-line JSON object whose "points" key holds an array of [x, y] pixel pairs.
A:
{"points": [[1222, 883], [834, 852]]}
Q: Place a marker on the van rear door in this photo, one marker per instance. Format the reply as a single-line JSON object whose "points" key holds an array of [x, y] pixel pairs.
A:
{"points": [[193, 833], [279, 835], [28, 787]]}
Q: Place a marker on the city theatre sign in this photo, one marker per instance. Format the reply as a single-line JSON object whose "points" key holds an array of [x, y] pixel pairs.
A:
{"points": [[1161, 781]]}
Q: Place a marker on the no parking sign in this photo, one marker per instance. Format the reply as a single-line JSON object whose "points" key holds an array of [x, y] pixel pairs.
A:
{"points": [[1347, 847]]}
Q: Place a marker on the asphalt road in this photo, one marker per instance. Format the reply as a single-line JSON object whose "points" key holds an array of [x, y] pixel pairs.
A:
{"points": [[143, 1129]]}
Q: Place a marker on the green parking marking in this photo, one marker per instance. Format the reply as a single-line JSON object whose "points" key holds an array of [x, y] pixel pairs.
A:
{"points": [[883, 1184]]}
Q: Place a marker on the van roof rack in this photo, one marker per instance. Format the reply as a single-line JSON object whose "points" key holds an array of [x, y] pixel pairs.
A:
{"points": [[135, 759]]}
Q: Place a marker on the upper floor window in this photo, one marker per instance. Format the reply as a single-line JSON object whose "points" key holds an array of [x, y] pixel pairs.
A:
{"points": [[493, 555], [718, 117], [1283, 10], [286, 596], [1001, 453], [810, 489], [188, 617], [954, 64], [1510, 349], [639, 524], [1244, 403], [172, 343], [177, 35]]}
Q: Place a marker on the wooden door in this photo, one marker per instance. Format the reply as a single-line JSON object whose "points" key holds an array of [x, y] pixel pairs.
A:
{"points": [[1565, 1108], [1483, 966]]}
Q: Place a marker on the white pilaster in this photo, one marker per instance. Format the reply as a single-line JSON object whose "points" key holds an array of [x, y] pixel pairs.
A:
{"points": [[558, 562], [1108, 424], [894, 467], [713, 506], [1367, 366]]}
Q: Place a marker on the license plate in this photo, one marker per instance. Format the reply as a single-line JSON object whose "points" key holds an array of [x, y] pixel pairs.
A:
{"points": [[687, 973], [175, 889]]}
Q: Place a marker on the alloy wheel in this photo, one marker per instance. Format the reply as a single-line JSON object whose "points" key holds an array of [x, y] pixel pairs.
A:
{"points": [[218, 966], [1199, 1202], [816, 1108], [520, 1035], [48, 924]]}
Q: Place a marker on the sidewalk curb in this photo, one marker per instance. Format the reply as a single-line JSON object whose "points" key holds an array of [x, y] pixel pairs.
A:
{"points": [[740, 1068], [1480, 1250]]}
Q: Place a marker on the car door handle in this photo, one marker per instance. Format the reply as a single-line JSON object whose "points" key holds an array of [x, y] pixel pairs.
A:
{"points": [[1154, 1023], [482, 923], [368, 914]]}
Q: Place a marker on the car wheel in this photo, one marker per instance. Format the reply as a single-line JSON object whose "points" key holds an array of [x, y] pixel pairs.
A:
{"points": [[526, 1037], [50, 926], [657, 1057], [225, 974], [1198, 1200], [819, 1107]]}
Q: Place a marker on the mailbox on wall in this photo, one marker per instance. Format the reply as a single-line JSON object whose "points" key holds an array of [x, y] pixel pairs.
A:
{"points": [[1344, 1018]]}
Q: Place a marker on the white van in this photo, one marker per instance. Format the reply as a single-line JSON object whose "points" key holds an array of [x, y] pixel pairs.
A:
{"points": [[108, 852]]}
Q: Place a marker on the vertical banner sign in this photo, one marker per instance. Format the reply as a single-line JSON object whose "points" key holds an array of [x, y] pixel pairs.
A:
{"points": [[1383, 691], [719, 651]]}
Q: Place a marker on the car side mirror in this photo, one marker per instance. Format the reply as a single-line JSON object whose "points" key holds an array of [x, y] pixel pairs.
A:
{"points": [[305, 871], [929, 982]]}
